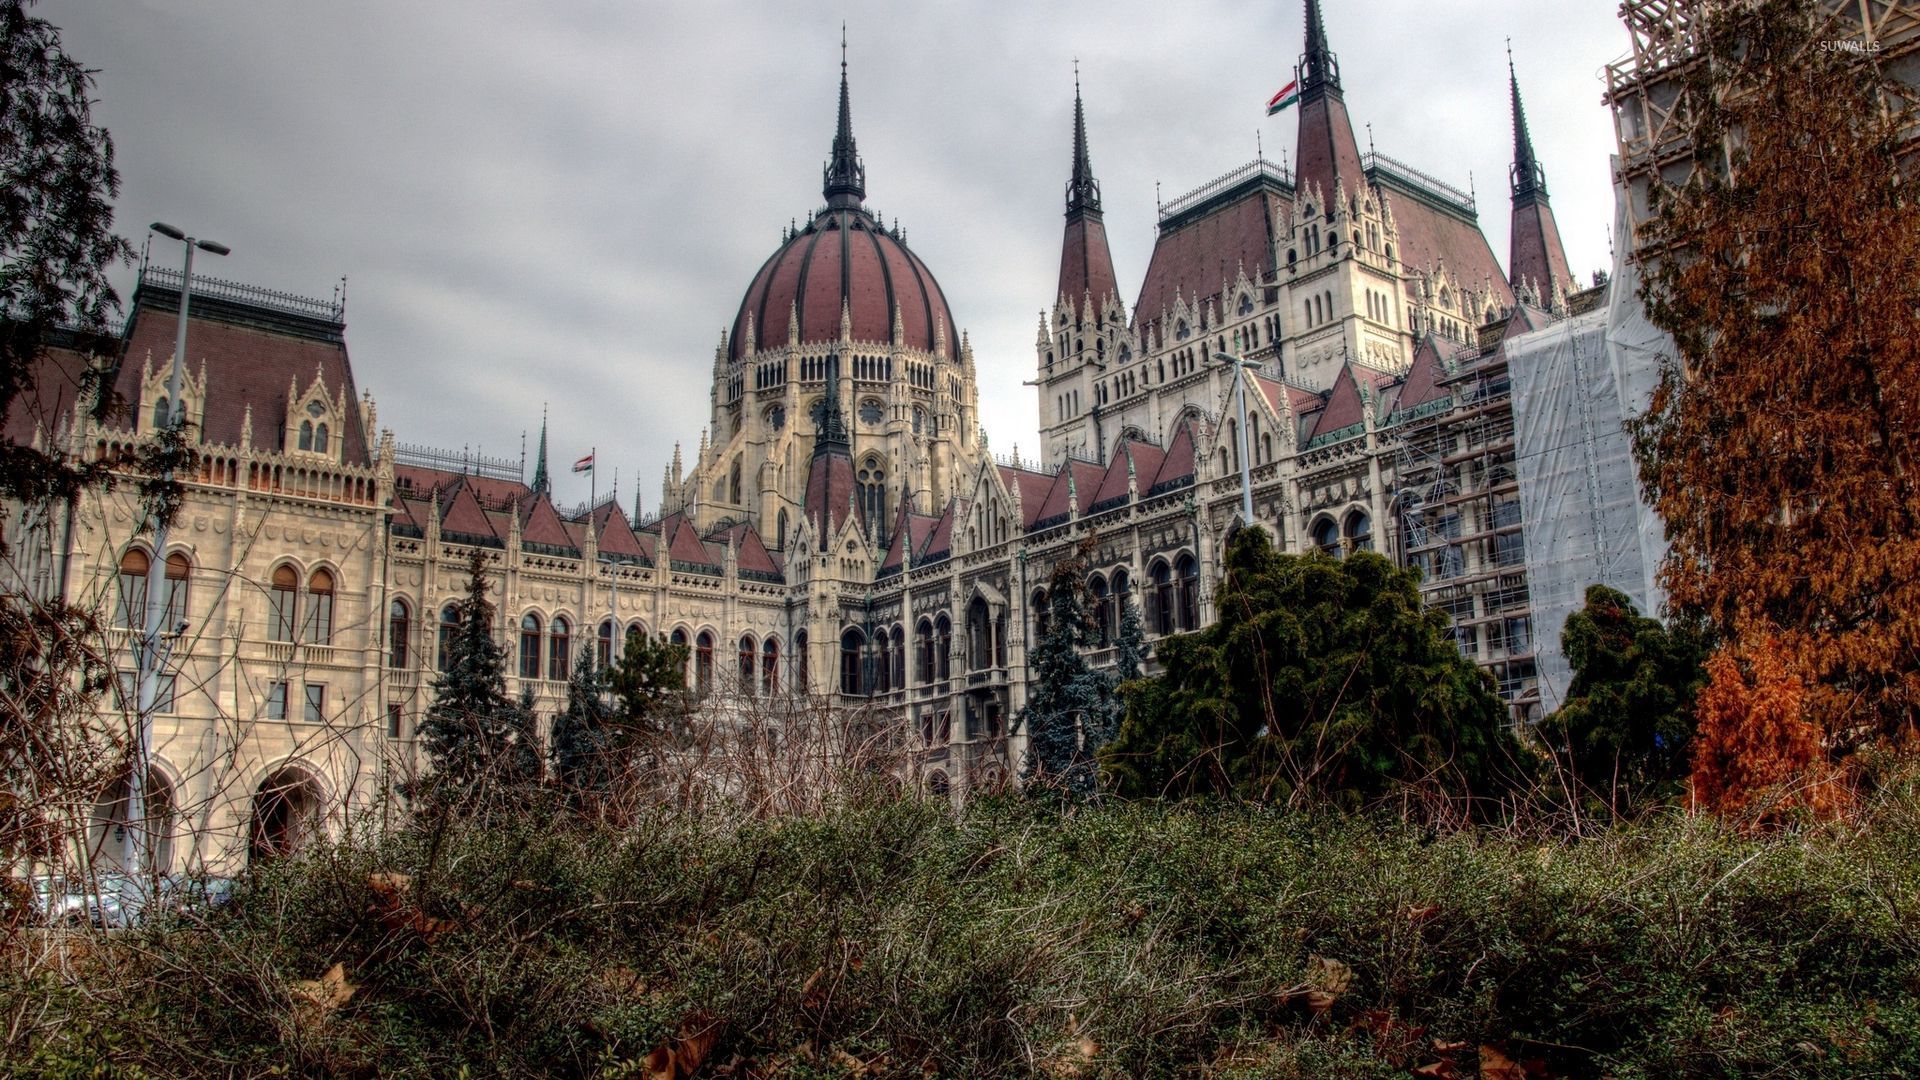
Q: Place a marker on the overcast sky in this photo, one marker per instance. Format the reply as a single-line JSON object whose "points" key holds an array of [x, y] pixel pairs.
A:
{"points": [[563, 202]]}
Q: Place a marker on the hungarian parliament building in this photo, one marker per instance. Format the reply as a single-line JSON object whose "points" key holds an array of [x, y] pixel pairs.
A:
{"points": [[842, 531]]}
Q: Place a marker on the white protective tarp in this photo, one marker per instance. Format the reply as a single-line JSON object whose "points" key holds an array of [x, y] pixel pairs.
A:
{"points": [[1575, 383]]}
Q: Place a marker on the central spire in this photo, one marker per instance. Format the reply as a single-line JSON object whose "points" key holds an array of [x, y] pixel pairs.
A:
{"points": [[845, 178], [1083, 191], [1318, 68]]}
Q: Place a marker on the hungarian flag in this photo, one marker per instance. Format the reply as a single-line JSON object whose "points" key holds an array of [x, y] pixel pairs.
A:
{"points": [[1288, 95], [583, 464]]}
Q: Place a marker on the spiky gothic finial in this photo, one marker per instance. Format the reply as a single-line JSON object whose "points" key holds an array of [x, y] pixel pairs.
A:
{"points": [[1318, 68], [541, 483], [1083, 191], [1529, 179], [832, 436], [845, 178]]}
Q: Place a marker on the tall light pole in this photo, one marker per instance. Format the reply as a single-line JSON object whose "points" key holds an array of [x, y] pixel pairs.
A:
{"points": [[153, 633], [1240, 366]]}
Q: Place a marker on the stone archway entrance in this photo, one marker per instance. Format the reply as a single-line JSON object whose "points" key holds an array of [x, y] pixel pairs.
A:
{"points": [[115, 828], [289, 809]]}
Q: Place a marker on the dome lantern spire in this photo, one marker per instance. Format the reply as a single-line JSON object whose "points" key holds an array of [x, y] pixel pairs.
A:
{"points": [[845, 178]]}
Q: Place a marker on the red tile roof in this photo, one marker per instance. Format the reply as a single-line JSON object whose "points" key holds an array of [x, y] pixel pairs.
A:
{"points": [[1285, 397], [47, 400], [540, 523], [1086, 265], [1422, 383], [842, 257], [245, 365], [1344, 407], [1430, 236], [1178, 464], [615, 535], [1146, 459], [1195, 258], [829, 495], [1030, 487], [1325, 154], [461, 513], [1535, 252]]}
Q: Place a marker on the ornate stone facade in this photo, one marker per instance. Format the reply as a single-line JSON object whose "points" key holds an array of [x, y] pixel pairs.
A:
{"points": [[841, 530]]}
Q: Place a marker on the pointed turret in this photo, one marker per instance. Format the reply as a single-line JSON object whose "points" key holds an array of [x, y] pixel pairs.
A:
{"points": [[1327, 154], [830, 475], [541, 485], [845, 178], [1086, 264], [1536, 254]]}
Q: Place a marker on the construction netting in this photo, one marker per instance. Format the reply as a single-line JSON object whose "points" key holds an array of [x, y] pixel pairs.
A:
{"points": [[1575, 383]]}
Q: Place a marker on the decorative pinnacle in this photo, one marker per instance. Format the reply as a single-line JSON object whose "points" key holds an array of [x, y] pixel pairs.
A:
{"points": [[1083, 191], [845, 178], [1529, 179], [1318, 68]]}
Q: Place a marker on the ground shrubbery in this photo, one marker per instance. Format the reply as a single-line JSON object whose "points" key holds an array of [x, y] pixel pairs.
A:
{"points": [[900, 938]]}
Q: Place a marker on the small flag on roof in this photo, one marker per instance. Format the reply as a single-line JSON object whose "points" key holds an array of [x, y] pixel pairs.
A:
{"points": [[1288, 95], [584, 464]]}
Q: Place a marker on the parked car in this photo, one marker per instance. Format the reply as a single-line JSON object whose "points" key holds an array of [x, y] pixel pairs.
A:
{"points": [[116, 901]]}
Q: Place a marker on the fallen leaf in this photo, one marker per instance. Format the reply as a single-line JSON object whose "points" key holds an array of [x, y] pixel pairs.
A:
{"points": [[681, 1056], [328, 992], [1496, 1065], [1446, 1047], [1438, 1070], [1419, 913]]}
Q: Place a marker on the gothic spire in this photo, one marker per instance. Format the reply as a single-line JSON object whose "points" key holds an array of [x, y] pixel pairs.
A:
{"points": [[1318, 67], [1083, 191], [832, 433], [845, 178], [1527, 175], [541, 485]]}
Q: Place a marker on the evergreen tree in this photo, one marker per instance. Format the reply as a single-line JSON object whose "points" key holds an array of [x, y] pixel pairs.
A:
{"points": [[1070, 707], [478, 740], [1627, 725], [1322, 679], [1130, 647], [649, 686], [583, 731]]}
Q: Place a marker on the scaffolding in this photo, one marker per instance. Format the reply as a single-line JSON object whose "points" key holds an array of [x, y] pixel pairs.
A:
{"points": [[1456, 495], [1649, 94]]}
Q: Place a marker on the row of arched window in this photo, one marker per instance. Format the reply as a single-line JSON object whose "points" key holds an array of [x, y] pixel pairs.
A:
{"points": [[293, 613], [1355, 534], [880, 665]]}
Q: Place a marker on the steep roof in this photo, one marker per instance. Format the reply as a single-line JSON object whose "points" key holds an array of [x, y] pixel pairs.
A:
{"points": [[1145, 458], [252, 352], [1176, 469], [462, 515], [540, 523], [1199, 250], [1430, 237], [1030, 487]]}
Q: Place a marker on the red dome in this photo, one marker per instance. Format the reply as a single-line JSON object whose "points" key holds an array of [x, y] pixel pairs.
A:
{"points": [[842, 255]]}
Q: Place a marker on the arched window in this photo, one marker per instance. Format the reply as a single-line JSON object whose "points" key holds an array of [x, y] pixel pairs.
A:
{"points": [[1359, 532], [282, 603], [979, 635], [923, 652], [635, 632], [1040, 616], [1326, 536], [851, 643], [749, 653], [703, 662], [801, 674], [179, 572], [782, 542], [603, 647], [449, 626], [529, 646], [560, 649], [1188, 571], [399, 631], [131, 610], [1102, 610], [899, 659], [306, 434], [883, 663], [319, 625], [320, 439], [1160, 606], [943, 647], [681, 641], [770, 666], [872, 484], [162, 416]]}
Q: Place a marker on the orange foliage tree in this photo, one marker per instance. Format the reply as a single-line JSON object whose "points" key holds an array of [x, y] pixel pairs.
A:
{"points": [[1780, 448], [1755, 747]]}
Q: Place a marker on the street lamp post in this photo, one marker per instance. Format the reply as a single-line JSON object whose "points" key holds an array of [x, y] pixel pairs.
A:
{"points": [[1240, 366], [153, 633]]}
